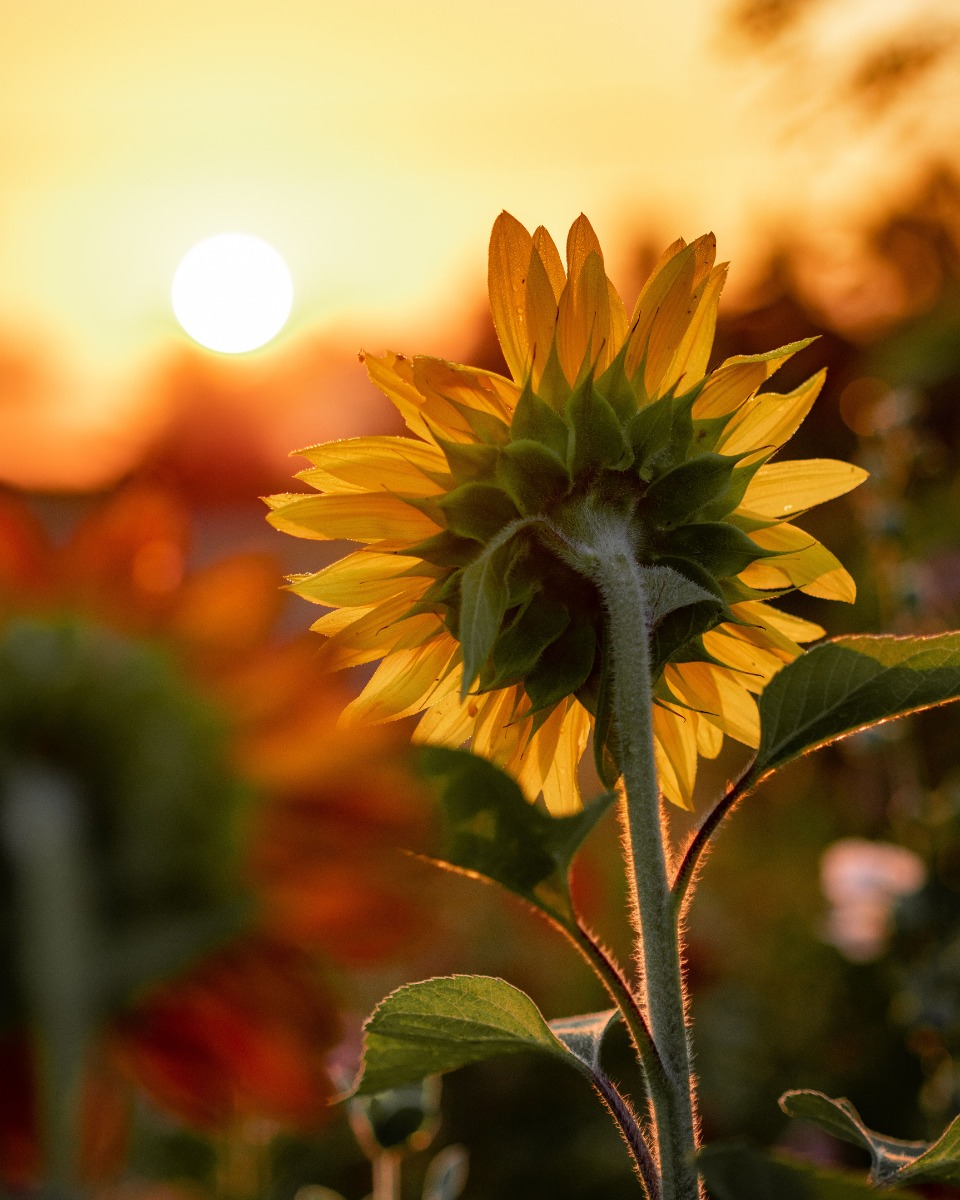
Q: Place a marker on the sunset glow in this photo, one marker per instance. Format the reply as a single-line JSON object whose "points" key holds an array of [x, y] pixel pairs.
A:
{"points": [[232, 293]]}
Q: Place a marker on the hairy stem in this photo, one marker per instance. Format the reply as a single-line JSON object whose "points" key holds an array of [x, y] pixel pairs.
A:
{"points": [[615, 572], [692, 855], [629, 1127]]}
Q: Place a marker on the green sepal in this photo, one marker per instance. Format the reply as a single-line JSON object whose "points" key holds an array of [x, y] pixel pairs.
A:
{"points": [[649, 435], [437, 1025], [442, 594], [707, 431], [483, 425], [675, 497], [564, 666], [518, 648], [491, 830], [535, 421], [615, 388], [727, 501], [554, 387], [445, 549], [679, 630], [532, 475], [736, 591], [596, 438], [477, 510], [717, 547], [469, 461], [484, 601]]}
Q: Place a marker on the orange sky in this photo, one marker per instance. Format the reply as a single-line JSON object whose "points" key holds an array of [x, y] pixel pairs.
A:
{"points": [[372, 145]]}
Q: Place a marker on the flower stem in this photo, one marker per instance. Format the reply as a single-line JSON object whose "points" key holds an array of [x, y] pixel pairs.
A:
{"points": [[614, 571]]}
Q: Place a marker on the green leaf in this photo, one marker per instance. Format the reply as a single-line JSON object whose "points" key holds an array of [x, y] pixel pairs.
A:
{"points": [[484, 600], [583, 1035], [440, 1024], [491, 830], [477, 510], [737, 1172], [852, 683], [893, 1159]]}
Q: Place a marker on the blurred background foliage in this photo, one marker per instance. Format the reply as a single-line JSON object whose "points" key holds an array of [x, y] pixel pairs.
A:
{"points": [[214, 896]]}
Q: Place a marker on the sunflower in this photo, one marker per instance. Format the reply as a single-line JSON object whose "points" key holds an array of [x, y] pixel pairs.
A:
{"points": [[462, 521]]}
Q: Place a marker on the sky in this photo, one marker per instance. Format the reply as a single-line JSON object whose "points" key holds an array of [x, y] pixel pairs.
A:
{"points": [[373, 145]]}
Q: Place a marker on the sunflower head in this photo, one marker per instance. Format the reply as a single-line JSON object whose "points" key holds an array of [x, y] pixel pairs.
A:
{"points": [[474, 526]]}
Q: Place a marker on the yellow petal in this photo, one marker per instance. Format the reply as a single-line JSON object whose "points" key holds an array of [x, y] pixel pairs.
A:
{"points": [[737, 378], [583, 317], [358, 517], [444, 385], [393, 375], [797, 629], [803, 562], [715, 691], [768, 420], [496, 734], [561, 790], [675, 750], [709, 738], [756, 664], [371, 464], [582, 241], [690, 360], [541, 315], [449, 721], [361, 635], [510, 249], [361, 579], [404, 683], [546, 247], [676, 311], [781, 489]]}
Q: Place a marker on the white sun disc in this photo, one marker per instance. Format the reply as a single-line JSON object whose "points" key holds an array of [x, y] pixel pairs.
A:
{"points": [[232, 292]]}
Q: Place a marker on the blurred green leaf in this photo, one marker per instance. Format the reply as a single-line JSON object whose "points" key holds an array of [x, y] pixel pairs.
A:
{"points": [[493, 831], [893, 1160], [851, 683], [736, 1172], [437, 1025]]}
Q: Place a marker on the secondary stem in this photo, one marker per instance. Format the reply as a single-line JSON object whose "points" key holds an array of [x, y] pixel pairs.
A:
{"points": [[615, 573]]}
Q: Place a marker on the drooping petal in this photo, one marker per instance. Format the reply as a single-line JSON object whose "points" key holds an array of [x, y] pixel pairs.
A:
{"points": [[449, 721], [782, 489], [798, 629], [709, 738], [361, 579], [358, 517], [770, 419], [393, 375], [371, 464], [757, 665], [803, 562], [713, 690], [737, 378], [405, 682], [510, 249], [361, 635], [448, 387], [676, 754], [561, 792]]}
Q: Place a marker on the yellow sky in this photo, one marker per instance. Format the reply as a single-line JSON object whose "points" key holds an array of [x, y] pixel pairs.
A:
{"points": [[372, 144]]}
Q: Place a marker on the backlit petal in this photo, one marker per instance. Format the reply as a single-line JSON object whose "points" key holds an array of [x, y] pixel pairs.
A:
{"points": [[371, 464], [676, 754], [404, 683], [768, 420], [358, 517], [737, 378], [510, 249], [689, 363], [804, 563], [709, 689], [583, 318], [393, 375], [782, 489], [561, 792], [541, 312], [362, 579]]}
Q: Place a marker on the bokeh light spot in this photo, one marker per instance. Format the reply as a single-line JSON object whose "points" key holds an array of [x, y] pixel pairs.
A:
{"points": [[232, 293]]}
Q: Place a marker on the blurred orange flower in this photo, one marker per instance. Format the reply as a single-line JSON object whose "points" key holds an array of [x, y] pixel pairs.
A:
{"points": [[242, 1031]]}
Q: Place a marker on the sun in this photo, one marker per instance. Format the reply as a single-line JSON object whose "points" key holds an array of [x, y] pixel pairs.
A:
{"points": [[232, 293]]}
